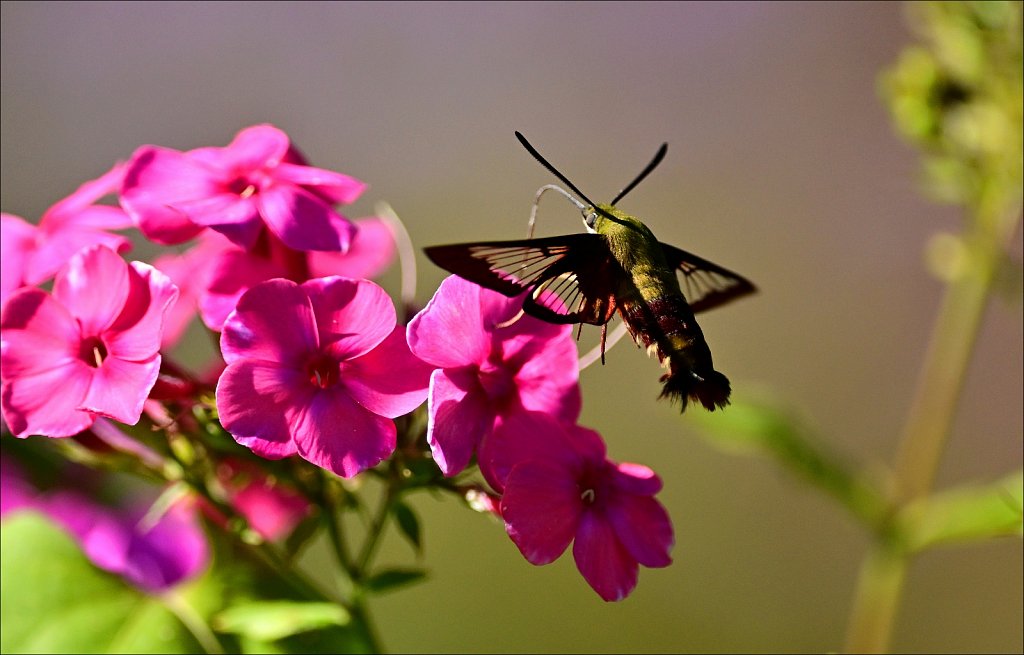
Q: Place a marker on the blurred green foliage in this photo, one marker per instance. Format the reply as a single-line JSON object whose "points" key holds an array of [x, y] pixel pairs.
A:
{"points": [[958, 96]]}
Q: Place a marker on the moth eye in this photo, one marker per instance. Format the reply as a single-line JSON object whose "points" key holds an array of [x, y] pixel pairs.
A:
{"points": [[590, 219]]}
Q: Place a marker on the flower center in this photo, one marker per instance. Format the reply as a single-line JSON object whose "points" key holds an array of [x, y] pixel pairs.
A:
{"points": [[322, 371], [92, 351], [242, 186], [497, 380], [588, 496]]}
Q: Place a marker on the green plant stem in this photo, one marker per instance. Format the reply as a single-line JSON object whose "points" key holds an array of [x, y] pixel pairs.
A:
{"points": [[942, 379], [376, 529], [879, 588], [880, 585], [194, 623]]}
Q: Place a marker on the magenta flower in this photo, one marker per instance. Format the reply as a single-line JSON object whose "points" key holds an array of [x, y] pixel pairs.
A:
{"points": [[257, 180], [489, 367], [318, 369], [91, 349], [272, 509], [153, 556], [233, 271], [558, 487], [32, 254]]}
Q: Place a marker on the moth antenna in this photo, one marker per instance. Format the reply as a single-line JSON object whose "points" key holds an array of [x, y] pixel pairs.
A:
{"points": [[536, 203], [658, 156]]}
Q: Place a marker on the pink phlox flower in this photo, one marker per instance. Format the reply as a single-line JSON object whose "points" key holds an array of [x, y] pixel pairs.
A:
{"points": [[256, 181], [488, 367], [231, 271], [32, 254], [90, 349], [318, 369], [153, 554], [558, 487], [272, 508], [190, 271]]}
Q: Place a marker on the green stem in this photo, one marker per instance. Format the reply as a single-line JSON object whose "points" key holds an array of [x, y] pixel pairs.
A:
{"points": [[376, 528], [923, 440], [330, 515], [879, 588], [194, 623], [942, 378]]}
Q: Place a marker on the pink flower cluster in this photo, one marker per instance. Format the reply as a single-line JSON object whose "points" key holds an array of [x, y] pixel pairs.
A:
{"points": [[317, 363], [506, 388]]}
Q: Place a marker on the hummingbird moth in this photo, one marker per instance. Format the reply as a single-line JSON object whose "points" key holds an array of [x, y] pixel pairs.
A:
{"points": [[616, 266]]}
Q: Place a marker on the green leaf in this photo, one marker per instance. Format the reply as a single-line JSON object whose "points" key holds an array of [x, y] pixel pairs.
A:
{"points": [[53, 600], [276, 619], [965, 514], [409, 524], [389, 579], [746, 428]]}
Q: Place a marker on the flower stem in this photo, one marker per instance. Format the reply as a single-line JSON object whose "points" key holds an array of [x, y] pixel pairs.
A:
{"points": [[194, 623], [923, 440]]}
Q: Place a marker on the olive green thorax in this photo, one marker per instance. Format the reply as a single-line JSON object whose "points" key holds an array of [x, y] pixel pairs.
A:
{"points": [[636, 249]]}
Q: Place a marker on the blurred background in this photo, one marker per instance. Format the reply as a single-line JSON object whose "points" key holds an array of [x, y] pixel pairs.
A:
{"points": [[782, 165]]}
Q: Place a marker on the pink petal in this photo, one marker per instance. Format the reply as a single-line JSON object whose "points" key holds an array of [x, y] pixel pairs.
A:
{"points": [[541, 507], [605, 563], [643, 527], [94, 217], [190, 272], [256, 147], [231, 273], [159, 222], [17, 239], [335, 187], [157, 180], [36, 334], [588, 445], [93, 287], [167, 553], [273, 323], [119, 388], [388, 380], [221, 208], [271, 510], [137, 332], [303, 221], [459, 417], [635, 479], [547, 361], [47, 403], [369, 254], [497, 309], [336, 433], [77, 206], [253, 400], [449, 332], [527, 436], [56, 248], [352, 316]]}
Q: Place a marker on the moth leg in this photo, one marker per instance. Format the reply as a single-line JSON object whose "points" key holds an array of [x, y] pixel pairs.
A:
{"points": [[604, 335]]}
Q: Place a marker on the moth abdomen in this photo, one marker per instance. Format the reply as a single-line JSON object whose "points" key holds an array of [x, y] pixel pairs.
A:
{"points": [[667, 326]]}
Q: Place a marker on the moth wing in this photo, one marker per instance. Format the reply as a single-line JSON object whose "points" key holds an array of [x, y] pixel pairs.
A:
{"points": [[569, 278], [704, 284]]}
